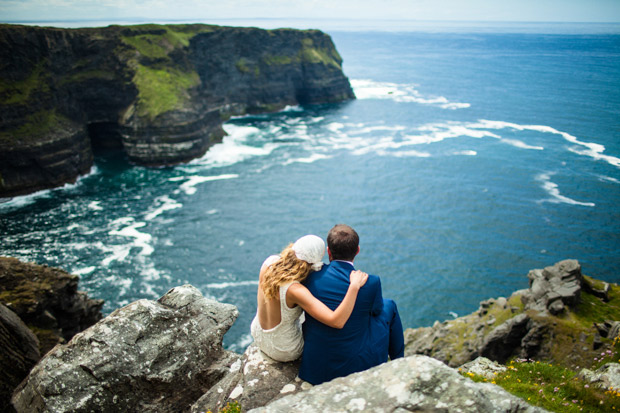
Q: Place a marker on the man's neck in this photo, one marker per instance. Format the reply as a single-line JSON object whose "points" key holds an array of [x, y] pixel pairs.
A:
{"points": [[348, 262]]}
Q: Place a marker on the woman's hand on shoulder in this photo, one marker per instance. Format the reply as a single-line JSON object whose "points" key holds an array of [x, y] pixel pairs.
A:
{"points": [[358, 278]]}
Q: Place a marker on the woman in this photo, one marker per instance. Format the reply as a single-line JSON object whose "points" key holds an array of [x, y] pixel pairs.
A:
{"points": [[281, 298]]}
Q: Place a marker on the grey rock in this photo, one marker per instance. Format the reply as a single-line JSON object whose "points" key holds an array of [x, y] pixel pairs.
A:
{"points": [[20, 352], [605, 377], [502, 341], [253, 381], [415, 383], [554, 287], [148, 356], [484, 367]]}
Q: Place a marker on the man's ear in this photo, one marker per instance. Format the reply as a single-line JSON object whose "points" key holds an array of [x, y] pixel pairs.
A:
{"points": [[329, 254], [358, 250]]}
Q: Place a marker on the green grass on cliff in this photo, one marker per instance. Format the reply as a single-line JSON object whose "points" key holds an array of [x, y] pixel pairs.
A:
{"points": [[555, 388], [157, 41], [18, 92], [162, 89], [312, 54], [35, 127], [162, 86]]}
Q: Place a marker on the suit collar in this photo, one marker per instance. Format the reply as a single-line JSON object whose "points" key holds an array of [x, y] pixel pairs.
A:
{"points": [[342, 264]]}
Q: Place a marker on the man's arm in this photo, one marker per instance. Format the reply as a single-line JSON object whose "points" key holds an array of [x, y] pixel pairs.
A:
{"points": [[377, 304]]}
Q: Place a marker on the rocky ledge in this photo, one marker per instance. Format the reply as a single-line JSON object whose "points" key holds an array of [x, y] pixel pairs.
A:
{"points": [[159, 93], [167, 356], [564, 318], [40, 307]]}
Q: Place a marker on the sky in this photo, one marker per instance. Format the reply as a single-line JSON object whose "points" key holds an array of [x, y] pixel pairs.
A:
{"points": [[421, 10]]}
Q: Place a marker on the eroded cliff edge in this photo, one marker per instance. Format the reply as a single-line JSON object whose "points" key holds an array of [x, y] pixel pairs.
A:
{"points": [[161, 93]]}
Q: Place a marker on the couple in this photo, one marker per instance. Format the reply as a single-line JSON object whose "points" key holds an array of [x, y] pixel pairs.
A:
{"points": [[348, 327]]}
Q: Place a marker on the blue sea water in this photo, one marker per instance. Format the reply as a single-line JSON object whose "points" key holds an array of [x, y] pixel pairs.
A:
{"points": [[470, 157]]}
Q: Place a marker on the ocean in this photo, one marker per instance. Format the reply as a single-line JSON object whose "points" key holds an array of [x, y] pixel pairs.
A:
{"points": [[472, 154]]}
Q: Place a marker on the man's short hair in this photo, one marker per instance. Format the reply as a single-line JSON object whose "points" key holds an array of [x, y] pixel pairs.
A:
{"points": [[343, 242]]}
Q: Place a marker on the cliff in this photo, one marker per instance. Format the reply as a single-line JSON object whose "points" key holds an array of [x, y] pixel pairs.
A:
{"points": [[158, 92]]}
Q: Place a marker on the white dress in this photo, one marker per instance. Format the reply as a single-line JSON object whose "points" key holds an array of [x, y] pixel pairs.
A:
{"points": [[285, 341]]}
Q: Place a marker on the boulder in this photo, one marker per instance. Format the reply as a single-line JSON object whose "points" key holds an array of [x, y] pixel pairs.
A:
{"points": [[253, 381], [47, 299], [554, 287], [606, 377], [500, 343], [148, 356], [20, 351], [415, 383], [483, 367]]}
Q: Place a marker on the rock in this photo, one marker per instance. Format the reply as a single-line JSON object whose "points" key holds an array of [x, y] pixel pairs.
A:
{"points": [[159, 93], [484, 367], [500, 343], [47, 299], [20, 351], [554, 287], [148, 356], [606, 377], [254, 381], [415, 383], [530, 324]]}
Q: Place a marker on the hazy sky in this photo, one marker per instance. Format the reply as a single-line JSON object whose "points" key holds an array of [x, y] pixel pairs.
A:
{"points": [[472, 10]]}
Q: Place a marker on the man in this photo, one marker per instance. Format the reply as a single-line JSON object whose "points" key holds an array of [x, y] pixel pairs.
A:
{"points": [[373, 331]]}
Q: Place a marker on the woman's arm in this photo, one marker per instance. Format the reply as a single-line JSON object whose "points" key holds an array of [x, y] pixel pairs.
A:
{"points": [[300, 295]]}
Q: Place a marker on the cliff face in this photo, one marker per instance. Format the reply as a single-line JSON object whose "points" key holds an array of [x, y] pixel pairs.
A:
{"points": [[159, 92]]}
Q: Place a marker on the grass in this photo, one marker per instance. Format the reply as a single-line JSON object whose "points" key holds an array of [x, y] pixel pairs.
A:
{"points": [[18, 92], [162, 89], [553, 387], [311, 54], [35, 126], [233, 407], [157, 41]]}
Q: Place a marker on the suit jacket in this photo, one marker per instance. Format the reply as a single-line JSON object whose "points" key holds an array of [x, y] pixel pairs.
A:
{"points": [[330, 352]]}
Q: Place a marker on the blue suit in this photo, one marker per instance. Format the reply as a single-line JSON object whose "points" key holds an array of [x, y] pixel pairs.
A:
{"points": [[373, 331]]}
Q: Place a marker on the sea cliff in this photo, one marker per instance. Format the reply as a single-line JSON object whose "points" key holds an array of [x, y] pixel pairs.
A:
{"points": [[158, 92]]}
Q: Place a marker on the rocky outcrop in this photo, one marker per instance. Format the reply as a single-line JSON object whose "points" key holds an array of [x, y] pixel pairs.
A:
{"points": [[160, 93], [47, 300], [415, 383], [553, 320], [148, 356], [606, 377], [253, 381], [20, 351]]}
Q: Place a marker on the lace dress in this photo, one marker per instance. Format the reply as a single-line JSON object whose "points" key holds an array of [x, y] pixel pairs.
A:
{"points": [[285, 341]]}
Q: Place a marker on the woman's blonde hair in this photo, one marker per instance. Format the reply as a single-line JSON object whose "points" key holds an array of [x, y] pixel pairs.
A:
{"points": [[288, 268]]}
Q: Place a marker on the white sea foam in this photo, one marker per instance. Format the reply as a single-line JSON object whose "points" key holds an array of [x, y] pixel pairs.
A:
{"points": [[231, 284], [310, 159], [165, 203], [84, 271], [466, 153], [369, 89], [189, 186], [554, 192], [24, 200], [127, 227], [94, 205], [242, 343], [212, 211], [520, 144], [609, 179], [234, 148], [591, 149]]}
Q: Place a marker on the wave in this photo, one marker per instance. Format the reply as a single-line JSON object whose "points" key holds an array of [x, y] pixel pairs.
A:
{"points": [[369, 89], [24, 200], [234, 148], [225, 285], [592, 149], [165, 204], [127, 227], [189, 187], [554, 192], [310, 159]]}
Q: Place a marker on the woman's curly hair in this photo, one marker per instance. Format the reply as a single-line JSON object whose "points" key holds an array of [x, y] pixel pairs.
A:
{"points": [[288, 268]]}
